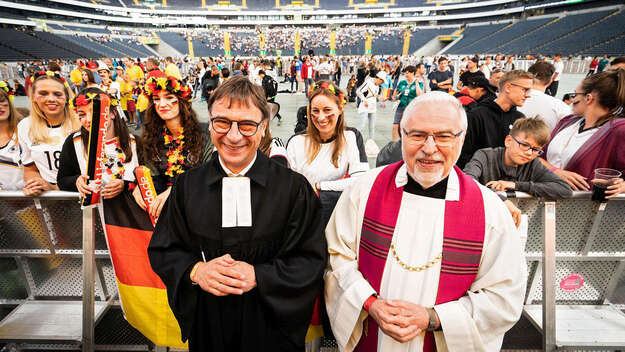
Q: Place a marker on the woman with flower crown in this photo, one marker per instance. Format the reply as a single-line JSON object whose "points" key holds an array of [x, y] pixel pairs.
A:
{"points": [[11, 171], [173, 140], [328, 154], [120, 152], [41, 134]]}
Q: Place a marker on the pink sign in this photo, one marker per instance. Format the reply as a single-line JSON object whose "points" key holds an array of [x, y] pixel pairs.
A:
{"points": [[572, 282]]}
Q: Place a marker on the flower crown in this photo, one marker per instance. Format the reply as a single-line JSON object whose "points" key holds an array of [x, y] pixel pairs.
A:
{"points": [[10, 92], [86, 99], [159, 81], [36, 75], [331, 87]]}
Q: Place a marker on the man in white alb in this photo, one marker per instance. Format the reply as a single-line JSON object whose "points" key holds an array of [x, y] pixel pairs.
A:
{"points": [[422, 258]]}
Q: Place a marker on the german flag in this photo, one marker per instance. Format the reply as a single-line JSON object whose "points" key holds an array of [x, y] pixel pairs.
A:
{"points": [[143, 295]]}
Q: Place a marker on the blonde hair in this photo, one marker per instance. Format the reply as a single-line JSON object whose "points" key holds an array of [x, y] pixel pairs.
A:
{"points": [[14, 116], [39, 123], [313, 138], [533, 127]]}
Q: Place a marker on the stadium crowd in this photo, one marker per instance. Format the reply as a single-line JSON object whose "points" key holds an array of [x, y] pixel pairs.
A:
{"points": [[497, 125]]}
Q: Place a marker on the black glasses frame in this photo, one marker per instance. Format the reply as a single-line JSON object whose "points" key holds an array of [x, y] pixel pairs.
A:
{"points": [[525, 147], [574, 94]]}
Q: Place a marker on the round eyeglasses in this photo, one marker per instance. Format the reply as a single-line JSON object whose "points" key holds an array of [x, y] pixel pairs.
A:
{"points": [[222, 125]]}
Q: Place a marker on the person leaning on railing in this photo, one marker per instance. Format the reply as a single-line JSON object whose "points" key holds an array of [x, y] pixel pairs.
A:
{"points": [[11, 170], [41, 134], [594, 136], [515, 167]]}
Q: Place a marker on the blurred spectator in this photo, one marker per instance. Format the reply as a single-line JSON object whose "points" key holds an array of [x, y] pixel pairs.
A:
{"points": [[550, 109]]}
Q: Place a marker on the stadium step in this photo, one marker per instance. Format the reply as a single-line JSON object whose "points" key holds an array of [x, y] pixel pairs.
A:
{"points": [[28, 55], [488, 36], [132, 50], [535, 49], [524, 35], [110, 48], [59, 46], [618, 37]]}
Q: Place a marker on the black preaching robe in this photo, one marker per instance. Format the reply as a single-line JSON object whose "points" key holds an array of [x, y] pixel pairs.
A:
{"points": [[286, 245]]}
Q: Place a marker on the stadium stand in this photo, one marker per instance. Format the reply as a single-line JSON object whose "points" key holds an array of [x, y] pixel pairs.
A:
{"points": [[68, 44], [129, 48], [55, 26], [32, 46], [550, 32], [8, 54], [184, 4], [597, 33], [489, 44], [4, 14], [91, 44], [200, 48], [87, 29], [615, 46], [423, 36], [471, 34], [175, 40]]}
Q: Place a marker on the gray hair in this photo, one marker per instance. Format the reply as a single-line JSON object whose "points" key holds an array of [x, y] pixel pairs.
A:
{"points": [[440, 98]]}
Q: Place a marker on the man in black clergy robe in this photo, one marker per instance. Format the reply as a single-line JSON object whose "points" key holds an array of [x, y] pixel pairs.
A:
{"points": [[240, 243]]}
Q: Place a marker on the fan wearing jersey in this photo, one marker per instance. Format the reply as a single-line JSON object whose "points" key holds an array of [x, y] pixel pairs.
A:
{"points": [[41, 135], [173, 140], [11, 171], [328, 153], [120, 152]]}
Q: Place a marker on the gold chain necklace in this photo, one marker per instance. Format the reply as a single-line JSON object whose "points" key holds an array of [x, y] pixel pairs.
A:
{"points": [[415, 268]]}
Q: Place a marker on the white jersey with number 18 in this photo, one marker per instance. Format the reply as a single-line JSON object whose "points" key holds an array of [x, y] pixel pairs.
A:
{"points": [[44, 155], [11, 171]]}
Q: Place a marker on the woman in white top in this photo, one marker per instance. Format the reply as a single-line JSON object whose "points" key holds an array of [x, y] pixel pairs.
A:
{"points": [[120, 152], [594, 136], [41, 135], [328, 153], [11, 171]]}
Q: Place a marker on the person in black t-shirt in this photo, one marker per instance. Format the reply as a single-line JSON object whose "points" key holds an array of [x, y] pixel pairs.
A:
{"points": [[471, 74], [441, 79]]}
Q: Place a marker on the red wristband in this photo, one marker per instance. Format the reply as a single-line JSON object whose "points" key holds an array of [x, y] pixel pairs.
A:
{"points": [[553, 169], [369, 302]]}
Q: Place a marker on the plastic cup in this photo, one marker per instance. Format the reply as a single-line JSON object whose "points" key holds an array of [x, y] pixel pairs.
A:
{"points": [[604, 177]]}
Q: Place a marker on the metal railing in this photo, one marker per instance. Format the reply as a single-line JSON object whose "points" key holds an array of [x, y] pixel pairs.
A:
{"points": [[53, 244], [596, 227]]}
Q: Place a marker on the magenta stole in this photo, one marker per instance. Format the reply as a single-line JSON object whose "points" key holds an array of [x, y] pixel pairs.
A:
{"points": [[463, 237]]}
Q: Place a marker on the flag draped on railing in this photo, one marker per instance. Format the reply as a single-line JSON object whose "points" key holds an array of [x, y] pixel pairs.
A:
{"points": [[143, 295]]}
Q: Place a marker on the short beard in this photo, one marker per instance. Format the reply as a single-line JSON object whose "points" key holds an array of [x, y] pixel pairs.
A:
{"points": [[426, 180]]}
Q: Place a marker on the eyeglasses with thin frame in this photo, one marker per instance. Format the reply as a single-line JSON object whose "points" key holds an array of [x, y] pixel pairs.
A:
{"points": [[525, 89], [442, 139], [223, 125], [525, 147]]}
